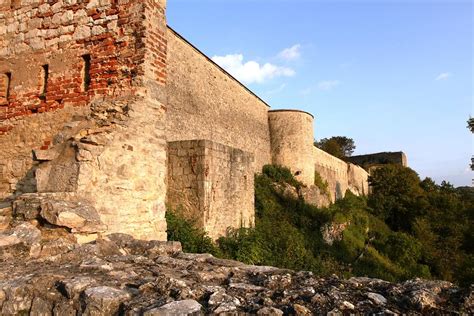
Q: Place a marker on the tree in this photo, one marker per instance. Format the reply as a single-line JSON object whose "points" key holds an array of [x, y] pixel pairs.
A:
{"points": [[470, 124], [397, 196], [338, 146]]}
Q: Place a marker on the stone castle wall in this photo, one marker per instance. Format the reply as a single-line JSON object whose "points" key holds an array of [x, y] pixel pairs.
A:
{"points": [[103, 104], [341, 176], [292, 141], [82, 107], [205, 102], [377, 159], [212, 184]]}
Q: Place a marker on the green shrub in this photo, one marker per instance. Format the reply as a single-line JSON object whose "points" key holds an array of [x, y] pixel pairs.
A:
{"points": [[375, 265], [244, 245], [321, 184], [280, 174], [192, 238]]}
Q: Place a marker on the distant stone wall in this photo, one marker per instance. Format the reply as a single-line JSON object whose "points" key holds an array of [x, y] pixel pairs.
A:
{"points": [[212, 184], [370, 160], [340, 175], [204, 102], [357, 178]]}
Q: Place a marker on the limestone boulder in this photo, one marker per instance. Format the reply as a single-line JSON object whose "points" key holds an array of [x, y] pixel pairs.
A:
{"points": [[79, 216], [27, 233], [56, 247], [151, 248], [74, 286], [104, 300], [45, 155], [7, 240], [286, 190], [270, 311], [377, 298], [6, 213], [21, 241], [27, 207], [332, 232], [184, 308]]}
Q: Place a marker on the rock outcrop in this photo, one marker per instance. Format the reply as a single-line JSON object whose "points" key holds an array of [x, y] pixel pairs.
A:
{"points": [[43, 271]]}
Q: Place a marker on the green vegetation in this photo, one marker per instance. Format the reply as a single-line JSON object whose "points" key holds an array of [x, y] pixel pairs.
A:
{"points": [[321, 184], [437, 218], [407, 228], [338, 146], [280, 174], [192, 238]]}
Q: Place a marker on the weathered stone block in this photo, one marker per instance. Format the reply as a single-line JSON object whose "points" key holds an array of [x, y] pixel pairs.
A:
{"points": [[184, 307], [104, 300], [81, 217], [210, 189]]}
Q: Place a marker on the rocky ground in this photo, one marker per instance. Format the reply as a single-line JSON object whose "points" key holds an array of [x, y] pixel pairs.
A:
{"points": [[43, 271]]}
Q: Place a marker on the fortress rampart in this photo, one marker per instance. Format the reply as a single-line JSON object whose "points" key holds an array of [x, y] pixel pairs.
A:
{"points": [[102, 104], [292, 141], [205, 102], [340, 176]]}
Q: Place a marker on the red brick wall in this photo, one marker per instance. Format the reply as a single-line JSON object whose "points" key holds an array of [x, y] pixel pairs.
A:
{"points": [[113, 32], [127, 46], [155, 41]]}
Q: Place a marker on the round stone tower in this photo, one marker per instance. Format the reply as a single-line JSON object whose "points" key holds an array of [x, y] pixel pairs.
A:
{"points": [[292, 137]]}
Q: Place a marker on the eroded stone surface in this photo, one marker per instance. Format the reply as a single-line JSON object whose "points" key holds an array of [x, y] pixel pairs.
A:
{"points": [[78, 216], [121, 274], [184, 307]]}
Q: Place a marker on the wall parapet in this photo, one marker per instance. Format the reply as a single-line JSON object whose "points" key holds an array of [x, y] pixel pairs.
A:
{"points": [[291, 110], [377, 159], [204, 102]]}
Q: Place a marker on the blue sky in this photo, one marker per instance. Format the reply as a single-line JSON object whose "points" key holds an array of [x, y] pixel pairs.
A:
{"points": [[392, 75]]}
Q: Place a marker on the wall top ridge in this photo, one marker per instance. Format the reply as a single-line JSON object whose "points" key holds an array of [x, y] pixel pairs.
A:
{"points": [[381, 153], [291, 110]]}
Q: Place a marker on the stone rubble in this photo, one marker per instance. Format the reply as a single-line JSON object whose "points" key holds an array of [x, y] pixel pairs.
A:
{"points": [[43, 271]]}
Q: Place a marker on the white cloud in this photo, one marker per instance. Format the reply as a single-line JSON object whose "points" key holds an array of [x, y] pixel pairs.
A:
{"points": [[443, 76], [328, 84], [291, 53], [251, 71]]}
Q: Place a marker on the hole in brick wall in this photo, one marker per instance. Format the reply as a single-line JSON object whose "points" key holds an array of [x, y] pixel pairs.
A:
{"points": [[86, 75], [44, 82], [5, 87]]}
